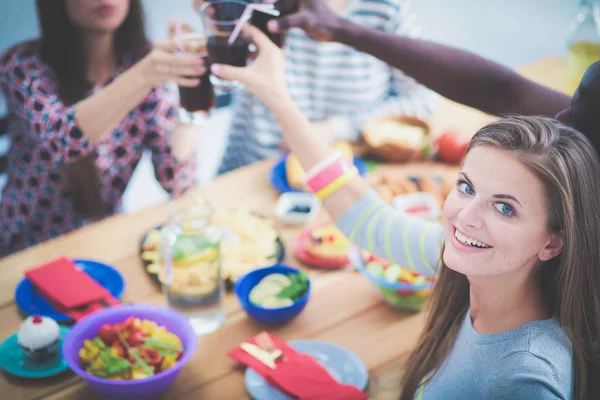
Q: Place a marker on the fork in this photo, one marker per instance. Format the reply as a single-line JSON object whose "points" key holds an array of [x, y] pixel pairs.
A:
{"points": [[263, 340]]}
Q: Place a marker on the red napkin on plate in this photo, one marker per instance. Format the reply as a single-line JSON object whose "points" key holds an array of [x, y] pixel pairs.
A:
{"points": [[298, 375], [69, 290]]}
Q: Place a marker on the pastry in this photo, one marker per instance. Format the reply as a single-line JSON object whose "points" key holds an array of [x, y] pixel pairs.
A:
{"points": [[39, 337], [396, 138], [327, 243]]}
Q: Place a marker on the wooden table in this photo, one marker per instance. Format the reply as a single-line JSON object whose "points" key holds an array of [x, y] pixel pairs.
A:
{"points": [[343, 309]]}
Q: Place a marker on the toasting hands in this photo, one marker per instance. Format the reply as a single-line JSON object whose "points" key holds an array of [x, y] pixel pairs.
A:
{"points": [[315, 18], [265, 77]]}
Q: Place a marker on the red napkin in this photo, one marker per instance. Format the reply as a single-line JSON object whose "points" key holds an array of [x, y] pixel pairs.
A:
{"points": [[69, 290], [299, 375]]}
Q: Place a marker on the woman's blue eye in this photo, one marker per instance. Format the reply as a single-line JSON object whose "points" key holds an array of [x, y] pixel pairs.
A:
{"points": [[465, 188], [505, 209]]}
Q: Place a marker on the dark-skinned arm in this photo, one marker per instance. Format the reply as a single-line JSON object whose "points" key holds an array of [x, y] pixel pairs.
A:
{"points": [[456, 74]]}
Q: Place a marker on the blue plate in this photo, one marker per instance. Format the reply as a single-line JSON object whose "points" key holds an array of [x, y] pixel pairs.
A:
{"points": [[13, 360], [279, 179], [341, 363], [31, 302]]}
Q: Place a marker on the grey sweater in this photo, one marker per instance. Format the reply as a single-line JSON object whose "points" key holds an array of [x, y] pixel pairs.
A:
{"points": [[533, 361]]}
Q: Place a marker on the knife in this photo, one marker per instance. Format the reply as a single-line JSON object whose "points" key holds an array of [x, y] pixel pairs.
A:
{"points": [[259, 354]]}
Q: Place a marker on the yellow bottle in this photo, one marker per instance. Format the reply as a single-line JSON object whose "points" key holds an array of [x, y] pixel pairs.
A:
{"points": [[583, 44]]}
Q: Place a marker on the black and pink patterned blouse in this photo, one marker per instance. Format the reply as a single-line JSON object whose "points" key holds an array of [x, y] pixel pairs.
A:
{"points": [[36, 202]]}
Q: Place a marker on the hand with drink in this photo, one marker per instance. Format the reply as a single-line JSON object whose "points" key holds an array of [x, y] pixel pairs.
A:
{"points": [[162, 65], [316, 19], [261, 20], [223, 20], [265, 77], [220, 19], [195, 101]]}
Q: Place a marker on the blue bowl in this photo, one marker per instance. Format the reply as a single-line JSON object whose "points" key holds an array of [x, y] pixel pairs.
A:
{"points": [[269, 316]]}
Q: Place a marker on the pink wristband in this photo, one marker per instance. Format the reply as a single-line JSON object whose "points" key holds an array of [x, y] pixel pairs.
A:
{"points": [[321, 165], [329, 174]]}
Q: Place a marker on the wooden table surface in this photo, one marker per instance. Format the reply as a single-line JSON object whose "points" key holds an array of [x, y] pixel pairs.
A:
{"points": [[343, 309]]}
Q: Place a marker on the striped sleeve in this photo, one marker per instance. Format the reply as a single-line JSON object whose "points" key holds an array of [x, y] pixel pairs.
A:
{"points": [[408, 241]]}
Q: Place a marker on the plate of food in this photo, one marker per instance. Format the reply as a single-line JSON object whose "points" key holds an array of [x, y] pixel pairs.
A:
{"points": [[324, 246], [397, 138], [250, 241], [287, 174], [340, 362], [389, 185]]}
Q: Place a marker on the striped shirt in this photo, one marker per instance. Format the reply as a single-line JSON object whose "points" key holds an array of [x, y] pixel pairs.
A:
{"points": [[333, 82]]}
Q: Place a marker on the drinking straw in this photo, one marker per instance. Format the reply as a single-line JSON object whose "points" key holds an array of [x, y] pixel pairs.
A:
{"points": [[247, 14], [177, 38]]}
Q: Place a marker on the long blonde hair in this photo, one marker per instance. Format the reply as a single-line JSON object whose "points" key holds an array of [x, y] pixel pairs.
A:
{"points": [[568, 167]]}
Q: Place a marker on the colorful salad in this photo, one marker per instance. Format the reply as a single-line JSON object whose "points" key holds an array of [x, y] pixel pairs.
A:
{"points": [[405, 298], [133, 349]]}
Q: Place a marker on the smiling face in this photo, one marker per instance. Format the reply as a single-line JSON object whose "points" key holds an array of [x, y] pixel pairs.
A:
{"points": [[495, 218]]}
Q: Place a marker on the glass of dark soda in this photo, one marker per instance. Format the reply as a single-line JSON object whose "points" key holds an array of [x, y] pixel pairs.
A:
{"points": [[285, 7], [195, 102], [220, 18]]}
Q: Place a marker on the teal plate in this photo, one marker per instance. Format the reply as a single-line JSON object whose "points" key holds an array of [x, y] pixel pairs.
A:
{"points": [[13, 360]]}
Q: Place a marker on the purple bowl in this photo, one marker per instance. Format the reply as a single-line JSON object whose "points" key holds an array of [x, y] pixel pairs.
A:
{"points": [[149, 388]]}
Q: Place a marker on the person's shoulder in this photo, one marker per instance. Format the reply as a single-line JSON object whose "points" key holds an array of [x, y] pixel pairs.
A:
{"points": [[544, 367], [553, 346], [21, 53]]}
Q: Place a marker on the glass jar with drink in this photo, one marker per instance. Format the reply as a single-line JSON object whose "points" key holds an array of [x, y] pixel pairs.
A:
{"points": [[220, 18], [583, 43], [195, 102], [190, 254]]}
